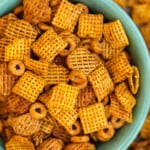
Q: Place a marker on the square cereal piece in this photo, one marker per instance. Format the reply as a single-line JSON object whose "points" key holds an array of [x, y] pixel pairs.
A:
{"points": [[117, 110], [65, 118], [93, 118], [109, 52], [90, 26], [63, 96], [56, 74], [82, 59], [115, 34], [66, 16], [119, 67], [21, 29], [101, 82], [48, 45], [37, 66], [125, 97], [37, 11], [4, 22], [29, 86], [18, 49]]}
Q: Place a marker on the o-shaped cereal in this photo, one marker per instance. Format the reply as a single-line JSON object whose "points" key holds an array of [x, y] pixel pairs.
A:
{"points": [[78, 78], [16, 67], [106, 134], [117, 122], [75, 128], [37, 111], [80, 139], [96, 46]]}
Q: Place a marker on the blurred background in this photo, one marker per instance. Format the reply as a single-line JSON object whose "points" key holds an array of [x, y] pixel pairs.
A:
{"points": [[139, 11]]}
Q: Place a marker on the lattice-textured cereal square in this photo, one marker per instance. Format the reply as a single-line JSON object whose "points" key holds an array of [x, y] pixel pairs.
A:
{"points": [[25, 125], [141, 13], [62, 96], [115, 34], [21, 29], [4, 22], [93, 118], [119, 67], [107, 51], [37, 66], [101, 82], [37, 11], [7, 80], [65, 118], [17, 104], [29, 86], [56, 74], [125, 97], [3, 43], [85, 97], [117, 110], [19, 142], [48, 45], [145, 30], [66, 16], [90, 26], [17, 50], [84, 60]]}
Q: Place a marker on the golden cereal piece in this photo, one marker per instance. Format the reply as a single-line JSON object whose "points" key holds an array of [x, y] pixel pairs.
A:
{"points": [[66, 11], [51, 144], [145, 131], [93, 118], [21, 29], [29, 86], [85, 9], [133, 80], [48, 45], [84, 60], [145, 30], [4, 22], [37, 66], [63, 96], [141, 13], [107, 51], [56, 74], [17, 104], [37, 11], [65, 118], [17, 50], [90, 26], [101, 82], [115, 34], [125, 97], [117, 110], [7, 80], [80, 139], [25, 125], [80, 146], [18, 142], [119, 67]]}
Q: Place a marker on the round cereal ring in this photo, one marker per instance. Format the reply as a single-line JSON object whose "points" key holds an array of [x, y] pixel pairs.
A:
{"points": [[80, 139], [18, 10], [96, 47], [37, 111], [1, 126], [16, 67], [106, 134], [117, 122], [105, 101], [78, 78], [54, 3], [74, 129], [44, 26]]}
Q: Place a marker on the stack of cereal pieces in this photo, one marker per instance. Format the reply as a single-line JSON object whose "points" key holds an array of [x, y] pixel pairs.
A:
{"points": [[66, 80]]}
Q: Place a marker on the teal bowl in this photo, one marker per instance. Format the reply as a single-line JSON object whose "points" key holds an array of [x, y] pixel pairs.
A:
{"points": [[139, 56]]}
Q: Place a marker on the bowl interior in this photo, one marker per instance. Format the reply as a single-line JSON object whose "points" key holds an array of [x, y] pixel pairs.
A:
{"points": [[140, 57]]}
